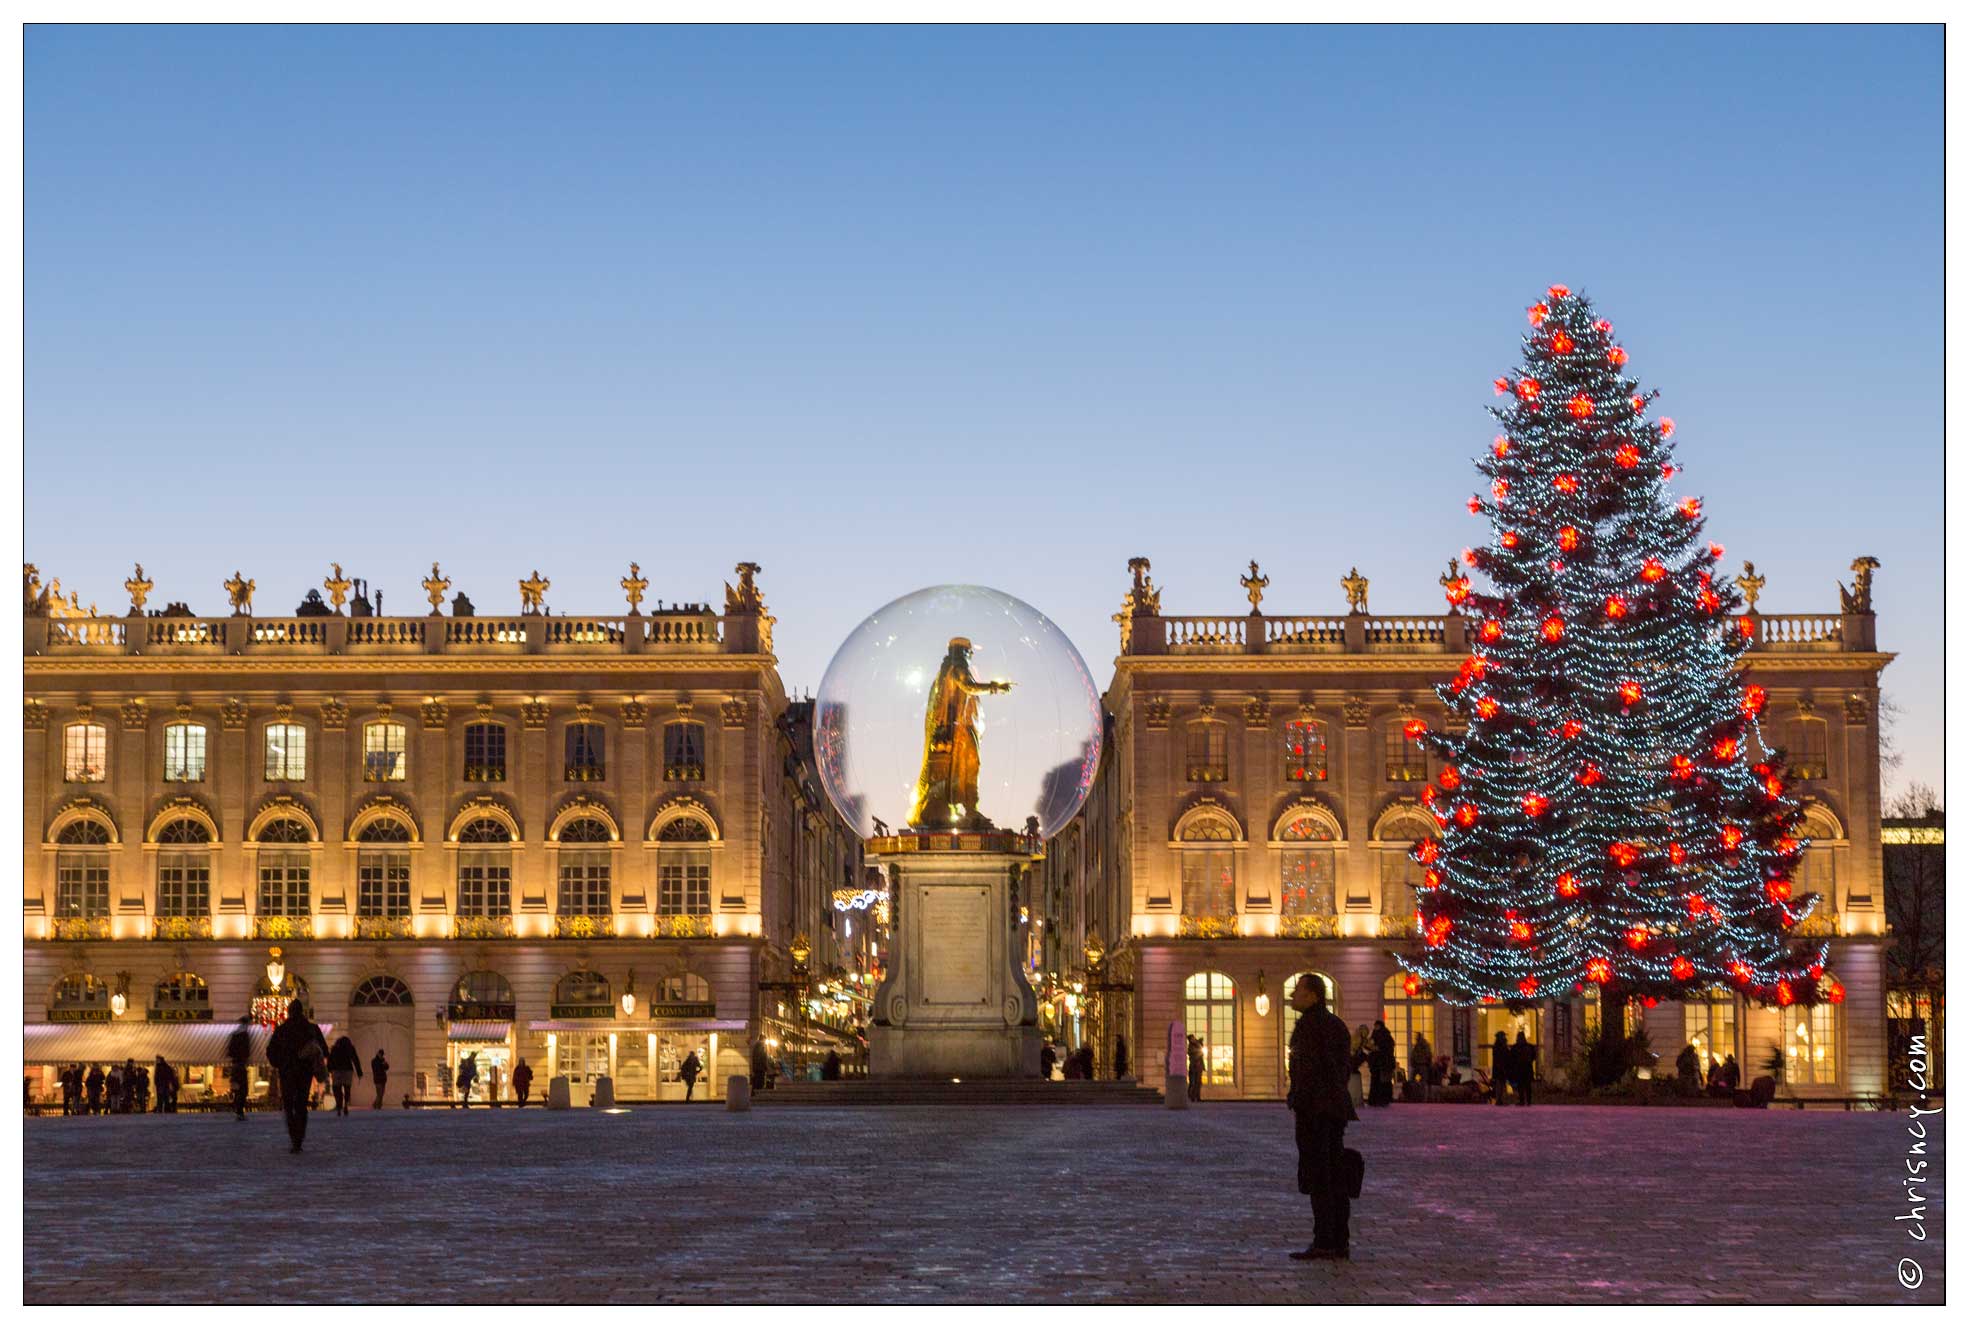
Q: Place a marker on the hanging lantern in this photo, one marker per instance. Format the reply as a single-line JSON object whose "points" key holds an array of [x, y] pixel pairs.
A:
{"points": [[629, 995], [1262, 1003], [276, 970]]}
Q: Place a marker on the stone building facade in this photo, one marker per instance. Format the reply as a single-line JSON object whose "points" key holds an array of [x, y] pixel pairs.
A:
{"points": [[585, 841], [1252, 816]]}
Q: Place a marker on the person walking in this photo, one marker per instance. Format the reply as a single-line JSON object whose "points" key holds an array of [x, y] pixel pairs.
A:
{"points": [[1357, 1055], [139, 1081], [344, 1069], [1500, 1068], [1420, 1059], [1318, 1068], [379, 1075], [1046, 1060], [71, 1080], [113, 1089], [522, 1081], [468, 1075], [239, 1050], [94, 1083], [688, 1073], [1071, 1070], [1196, 1069], [1120, 1057], [1524, 1062], [164, 1080], [1381, 1066], [299, 1053], [830, 1069]]}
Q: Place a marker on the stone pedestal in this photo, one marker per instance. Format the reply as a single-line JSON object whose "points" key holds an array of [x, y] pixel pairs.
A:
{"points": [[954, 1004]]}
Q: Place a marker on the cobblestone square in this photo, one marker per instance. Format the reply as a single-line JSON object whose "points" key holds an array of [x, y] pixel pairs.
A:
{"points": [[1469, 1204]]}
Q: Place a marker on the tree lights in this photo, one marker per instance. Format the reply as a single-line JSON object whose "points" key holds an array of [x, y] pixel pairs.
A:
{"points": [[1608, 825]]}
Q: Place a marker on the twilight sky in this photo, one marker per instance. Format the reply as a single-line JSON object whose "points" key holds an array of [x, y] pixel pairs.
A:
{"points": [[879, 308]]}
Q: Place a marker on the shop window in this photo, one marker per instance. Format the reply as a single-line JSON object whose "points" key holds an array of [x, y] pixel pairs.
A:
{"points": [[181, 996], [1210, 1014], [481, 994], [184, 753], [79, 996], [269, 1004], [1289, 1017]]}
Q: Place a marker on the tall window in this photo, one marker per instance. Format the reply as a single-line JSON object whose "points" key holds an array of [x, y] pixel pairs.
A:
{"points": [[485, 753], [287, 752], [485, 870], [1403, 760], [1210, 1014], [584, 868], [1207, 761], [1811, 1042], [184, 870], [1399, 872], [284, 871], [1305, 751], [1804, 747], [1289, 1017], [85, 753], [82, 871], [383, 751], [683, 868], [1209, 868], [1305, 880], [1406, 1017], [683, 750], [184, 752], [1709, 1022], [584, 752], [1818, 870], [383, 870]]}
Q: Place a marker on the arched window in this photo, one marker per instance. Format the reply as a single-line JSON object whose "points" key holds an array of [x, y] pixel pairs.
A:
{"points": [[1403, 761], [1305, 751], [1407, 1016], [1207, 748], [485, 753], [683, 750], [585, 752], [687, 988], [284, 870], [79, 996], [181, 996], [85, 753], [1306, 866], [683, 868], [383, 869], [1210, 1014], [1397, 834], [482, 994], [583, 994], [1209, 866], [1289, 1017], [385, 754], [286, 752], [380, 990], [82, 870], [184, 870], [184, 753], [485, 870], [1709, 1023], [1818, 868], [1811, 1041], [584, 869], [1804, 748]]}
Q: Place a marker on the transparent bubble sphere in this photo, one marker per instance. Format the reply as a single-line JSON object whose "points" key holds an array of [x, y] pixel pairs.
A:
{"points": [[953, 694]]}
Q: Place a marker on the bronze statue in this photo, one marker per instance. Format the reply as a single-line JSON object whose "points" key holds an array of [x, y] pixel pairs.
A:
{"points": [[947, 790]]}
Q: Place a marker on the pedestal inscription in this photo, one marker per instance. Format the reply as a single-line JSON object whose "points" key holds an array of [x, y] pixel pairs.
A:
{"points": [[956, 946]]}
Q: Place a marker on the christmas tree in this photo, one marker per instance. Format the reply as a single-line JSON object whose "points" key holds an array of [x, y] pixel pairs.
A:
{"points": [[1609, 816]]}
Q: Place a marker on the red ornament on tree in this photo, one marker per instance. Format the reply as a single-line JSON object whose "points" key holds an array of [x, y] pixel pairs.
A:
{"points": [[1534, 803], [1449, 779], [1528, 986], [1486, 707], [1637, 937], [1538, 312], [1835, 992], [1676, 854], [1681, 768], [1724, 749], [1503, 385], [1466, 815], [1778, 889], [1509, 539], [1476, 505], [1567, 483], [1731, 836], [1746, 627], [1630, 693], [1616, 607], [1571, 729], [1566, 885], [1652, 570], [1616, 356], [1754, 698], [1623, 854], [1553, 628], [1528, 389], [1690, 508], [1599, 969], [1667, 427], [1520, 931], [1411, 985], [1501, 446], [1569, 538], [1415, 728], [1499, 487], [1590, 775], [1491, 630], [1561, 343], [1627, 456], [1559, 292], [1785, 994], [1681, 968]]}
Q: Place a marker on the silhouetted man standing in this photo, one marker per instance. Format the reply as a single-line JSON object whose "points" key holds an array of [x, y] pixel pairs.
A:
{"points": [[297, 1050], [1321, 1109], [239, 1051]]}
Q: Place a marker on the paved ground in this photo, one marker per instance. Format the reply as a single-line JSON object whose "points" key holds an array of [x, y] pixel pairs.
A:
{"points": [[980, 1204]]}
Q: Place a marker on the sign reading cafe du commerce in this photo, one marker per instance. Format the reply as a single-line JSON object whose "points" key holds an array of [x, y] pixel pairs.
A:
{"points": [[581, 1011], [682, 1010]]}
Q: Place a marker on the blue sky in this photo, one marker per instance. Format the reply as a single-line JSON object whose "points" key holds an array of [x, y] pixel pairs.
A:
{"points": [[879, 308]]}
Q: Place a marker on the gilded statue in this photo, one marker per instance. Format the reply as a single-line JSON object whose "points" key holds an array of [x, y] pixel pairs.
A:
{"points": [[947, 790], [1254, 586], [1751, 583], [1355, 586], [1859, 600]]}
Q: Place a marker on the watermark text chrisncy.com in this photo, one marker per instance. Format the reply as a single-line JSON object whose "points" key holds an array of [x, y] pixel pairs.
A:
{"points": [[1909, 1272]]}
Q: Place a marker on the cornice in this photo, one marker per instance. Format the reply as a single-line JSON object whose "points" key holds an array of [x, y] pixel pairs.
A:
{"points": [[1871, 661], [395, 664]]}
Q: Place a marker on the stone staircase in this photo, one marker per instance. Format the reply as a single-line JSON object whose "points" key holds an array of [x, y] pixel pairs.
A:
{"points": [[958, 1093]]}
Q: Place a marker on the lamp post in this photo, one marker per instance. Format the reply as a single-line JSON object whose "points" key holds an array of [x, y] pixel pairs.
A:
{"points": [[1102, 993], [276, 970]]}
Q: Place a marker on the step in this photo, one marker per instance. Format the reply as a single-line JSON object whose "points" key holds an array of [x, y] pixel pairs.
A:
{"points": [[969, 1093]]}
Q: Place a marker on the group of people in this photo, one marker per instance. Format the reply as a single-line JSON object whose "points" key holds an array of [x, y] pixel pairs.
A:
{"points": [[1077, 1065], [125, 1088], [1375, 1049], [1723, 1078], [1512, 1066]]}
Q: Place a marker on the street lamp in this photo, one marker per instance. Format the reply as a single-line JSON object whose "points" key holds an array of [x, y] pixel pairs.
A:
{"points": [[629, 995], [1262, 1003], [276, 971], [119, 1000]]}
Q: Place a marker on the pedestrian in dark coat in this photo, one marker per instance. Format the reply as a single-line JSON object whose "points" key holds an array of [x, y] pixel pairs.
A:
{"points": [[239, 1050], [164, 1079], [298, 1052], [1524, 1061], [1318, 1065], [113, 1090], [1196, 1069], [344, 1069], [1046, 1060], [1120, 1057], [693, 1066], [138, 1078], [522, 1081], [1381, 1066], [468, 1075], [1500, 1068], [379, 1074], [94, 1083]]}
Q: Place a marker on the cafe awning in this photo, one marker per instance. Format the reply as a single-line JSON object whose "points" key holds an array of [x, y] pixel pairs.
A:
{"points": [[189, 1043], [688, 1025], [479, 1031]]}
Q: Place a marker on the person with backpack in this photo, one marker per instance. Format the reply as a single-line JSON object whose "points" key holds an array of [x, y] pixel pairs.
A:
{"points": [[344, 1069], [688, 1072], [379, 1075], [1319, 1064], [468, 1075], [299, 1054]]}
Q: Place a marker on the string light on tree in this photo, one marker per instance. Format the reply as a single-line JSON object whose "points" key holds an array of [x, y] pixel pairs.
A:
{"points": [[1634, 844]]}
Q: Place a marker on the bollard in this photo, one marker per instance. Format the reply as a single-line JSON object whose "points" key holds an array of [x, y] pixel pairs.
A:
{"points": [[738, 1094], [604, 1096], [558, 1095], [1175, 1092]]}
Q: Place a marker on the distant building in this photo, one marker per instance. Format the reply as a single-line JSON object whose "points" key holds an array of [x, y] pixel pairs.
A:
{"points": [[1916, 869]]}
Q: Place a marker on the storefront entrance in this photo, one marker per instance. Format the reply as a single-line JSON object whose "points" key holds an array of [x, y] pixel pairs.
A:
{"points": [[1493, 1020]]}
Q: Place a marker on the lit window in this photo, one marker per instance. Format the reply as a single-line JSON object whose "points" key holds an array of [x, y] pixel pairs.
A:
{"points": [[1210, 1014], [584, 870], [683, 874], [184, 752], [1404, 761], [383, 875], [1399, 872], [485, 870], [1305, 751], [1209, 873], [287, 752], [1709, 1024], [485, 753], [184, 870], [82, 871], [1305, 868], [284, 870], [384, 751], [181, 996], [85, 753], [585, 752], [1289, 1017], [1811, 1042], [1207, 761], [1407, 1017], [683, 750]]}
